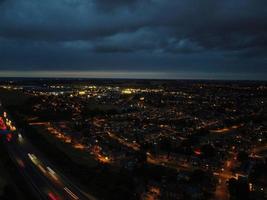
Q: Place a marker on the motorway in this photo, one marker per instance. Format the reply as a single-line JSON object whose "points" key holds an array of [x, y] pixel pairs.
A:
{"points": [[43, 178]]}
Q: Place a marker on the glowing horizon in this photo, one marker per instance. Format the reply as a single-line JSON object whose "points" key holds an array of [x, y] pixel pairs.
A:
{"points": [[127, 75]]}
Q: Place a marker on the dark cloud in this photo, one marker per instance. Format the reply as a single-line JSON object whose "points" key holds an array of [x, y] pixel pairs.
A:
{"points": [[108, 5], [145, 34]]}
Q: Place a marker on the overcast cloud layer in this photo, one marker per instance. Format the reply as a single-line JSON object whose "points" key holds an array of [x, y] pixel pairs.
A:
{"points": [[185, 36]]}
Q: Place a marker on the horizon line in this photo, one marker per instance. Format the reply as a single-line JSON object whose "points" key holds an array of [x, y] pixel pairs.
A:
{"points": [[131, 75]]}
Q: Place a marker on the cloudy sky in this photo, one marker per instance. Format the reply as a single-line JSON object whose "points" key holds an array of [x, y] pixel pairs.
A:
{"points": [[225, 39]]}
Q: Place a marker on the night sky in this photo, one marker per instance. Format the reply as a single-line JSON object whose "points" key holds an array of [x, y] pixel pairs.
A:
{"points": [[213, 39]]}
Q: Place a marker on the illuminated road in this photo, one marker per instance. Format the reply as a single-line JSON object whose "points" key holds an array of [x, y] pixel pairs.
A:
{"points": [[134, 146], [171, 164], [222, 192], [227, 129], [43, 178]]}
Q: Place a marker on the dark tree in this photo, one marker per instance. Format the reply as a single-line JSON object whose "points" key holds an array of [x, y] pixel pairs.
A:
{"points": [[238, 189], [242, 156]]}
